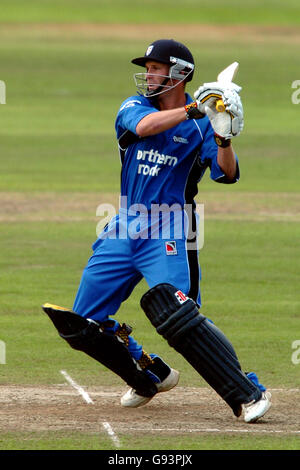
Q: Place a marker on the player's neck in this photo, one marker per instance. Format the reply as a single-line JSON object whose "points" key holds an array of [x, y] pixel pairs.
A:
{"points": [[171, 100]]}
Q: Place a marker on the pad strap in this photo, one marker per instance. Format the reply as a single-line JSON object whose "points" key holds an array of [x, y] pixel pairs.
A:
{"points": [[123, 331]]}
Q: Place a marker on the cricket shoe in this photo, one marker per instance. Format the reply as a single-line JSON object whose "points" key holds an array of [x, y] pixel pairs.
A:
{"points": [[132, 400], [254, 410]]}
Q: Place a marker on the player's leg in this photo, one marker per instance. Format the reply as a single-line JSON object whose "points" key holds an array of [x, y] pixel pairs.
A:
{"points": [[206, 348], [107, 281], [169, 261], [159, 372], [90, 337], [156, 265], [111, 273], [181, 269]]}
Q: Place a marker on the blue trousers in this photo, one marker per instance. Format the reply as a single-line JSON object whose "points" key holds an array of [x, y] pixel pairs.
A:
{"points": [[122, 256]]}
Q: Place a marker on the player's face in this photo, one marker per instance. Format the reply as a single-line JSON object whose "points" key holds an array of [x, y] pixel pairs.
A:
{"points": [[156, 73]]}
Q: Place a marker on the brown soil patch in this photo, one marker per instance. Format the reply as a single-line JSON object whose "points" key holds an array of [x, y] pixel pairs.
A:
{"points": [[76, 207], [64, 207], [180, 411], [192, 32]]}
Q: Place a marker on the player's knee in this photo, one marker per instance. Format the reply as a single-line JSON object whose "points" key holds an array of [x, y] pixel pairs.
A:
{"points": [[171, 312]]}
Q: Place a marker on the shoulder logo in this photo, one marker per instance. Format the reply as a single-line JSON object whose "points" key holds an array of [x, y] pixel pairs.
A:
{"points": [[129, 104]]}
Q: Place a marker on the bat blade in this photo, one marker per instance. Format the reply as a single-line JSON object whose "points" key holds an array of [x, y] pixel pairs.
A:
{"points": [[224, 77], [228, 74]]}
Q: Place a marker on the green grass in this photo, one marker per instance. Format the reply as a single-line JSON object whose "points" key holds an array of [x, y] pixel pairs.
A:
{"points": [[152, 11], [97, 441]]}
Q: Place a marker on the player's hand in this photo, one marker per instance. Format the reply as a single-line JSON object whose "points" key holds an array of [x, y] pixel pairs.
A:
{"points": [[209, 93], [226, 124]]}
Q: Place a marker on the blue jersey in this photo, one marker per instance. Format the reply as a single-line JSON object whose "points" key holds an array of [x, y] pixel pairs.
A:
{"points": [[164, 168]]}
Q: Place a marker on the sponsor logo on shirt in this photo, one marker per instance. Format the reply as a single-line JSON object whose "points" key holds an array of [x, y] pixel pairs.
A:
{"points": [[180, 140], [155, 159]]}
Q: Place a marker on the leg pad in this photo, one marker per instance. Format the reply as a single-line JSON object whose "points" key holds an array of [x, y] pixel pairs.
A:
{"points": [[200, 342], [108, 349]]}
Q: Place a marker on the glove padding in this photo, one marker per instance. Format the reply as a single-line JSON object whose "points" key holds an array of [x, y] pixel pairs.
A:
{"points": [[229, 123]]}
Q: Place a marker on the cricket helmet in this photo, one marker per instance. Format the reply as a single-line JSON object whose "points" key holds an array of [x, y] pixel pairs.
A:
{"points": [[170, 52]]}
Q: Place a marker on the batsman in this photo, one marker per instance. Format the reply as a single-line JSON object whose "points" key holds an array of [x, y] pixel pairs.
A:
{"points": [[167, 141]]}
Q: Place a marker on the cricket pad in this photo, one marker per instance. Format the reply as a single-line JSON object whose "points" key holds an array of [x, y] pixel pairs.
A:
{"points": [[88, 336], [200, 342]]}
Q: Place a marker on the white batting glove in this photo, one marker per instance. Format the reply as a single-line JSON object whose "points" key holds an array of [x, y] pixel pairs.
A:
{"points": [[210, 92], [229, 123]]}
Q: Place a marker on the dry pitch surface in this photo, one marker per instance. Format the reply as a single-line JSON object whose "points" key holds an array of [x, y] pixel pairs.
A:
{"points": [[97, 409]]}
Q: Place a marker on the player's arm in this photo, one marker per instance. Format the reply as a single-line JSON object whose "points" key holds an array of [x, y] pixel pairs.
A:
{"points": [[160, 121], [227, 161], [157, 122]]}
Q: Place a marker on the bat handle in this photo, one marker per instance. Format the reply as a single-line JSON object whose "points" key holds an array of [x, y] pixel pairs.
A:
{"points": [[220, 106]]}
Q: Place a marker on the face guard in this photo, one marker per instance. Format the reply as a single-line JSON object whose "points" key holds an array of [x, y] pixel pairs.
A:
{"points": [[179, 71]]}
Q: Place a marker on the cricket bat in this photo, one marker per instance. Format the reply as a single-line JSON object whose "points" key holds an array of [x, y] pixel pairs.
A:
{"points": [[226, 76]]}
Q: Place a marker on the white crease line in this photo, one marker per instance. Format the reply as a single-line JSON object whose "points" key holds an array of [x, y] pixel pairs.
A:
{"points": [[77, 387], [267, 431], [111, 433], [88, 400]]}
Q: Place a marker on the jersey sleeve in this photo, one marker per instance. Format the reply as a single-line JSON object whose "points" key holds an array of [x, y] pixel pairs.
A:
{"points": [[131, 112], [208, 155]]}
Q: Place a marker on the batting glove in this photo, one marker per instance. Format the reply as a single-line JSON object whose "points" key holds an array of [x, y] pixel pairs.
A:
{"points": [[226, 124]]}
